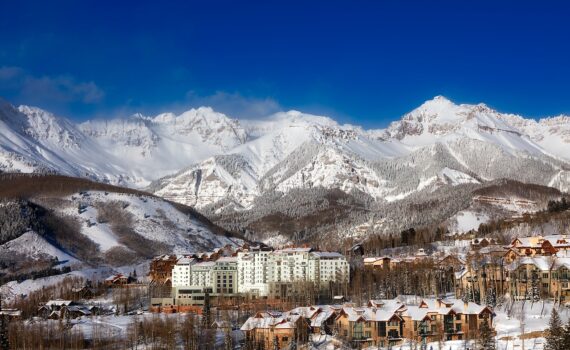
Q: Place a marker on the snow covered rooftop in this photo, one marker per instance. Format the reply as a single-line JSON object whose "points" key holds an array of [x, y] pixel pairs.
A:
{"points": [[543, 263], [228, 259], [59, 302], [293, 250], [446, 306], [329, 255], [270, 320], [557, 241], [185, 261]]}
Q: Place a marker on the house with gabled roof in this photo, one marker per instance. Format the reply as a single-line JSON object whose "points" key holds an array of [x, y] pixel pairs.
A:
{"points": [[270, 329], [385, 323], [56, 309], [540, 277], [540, 245], [320, 318], [449, 319], [372, 325]]}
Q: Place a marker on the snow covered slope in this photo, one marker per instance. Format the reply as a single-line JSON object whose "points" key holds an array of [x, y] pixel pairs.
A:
{"points": [[206, 159], [455, 144], [149, 219], [100, 224]]}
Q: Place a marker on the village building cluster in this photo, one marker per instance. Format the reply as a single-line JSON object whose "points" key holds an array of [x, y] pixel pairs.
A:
{"points": [[60, 309], [253, 271], [380, 323], [529, 268]]}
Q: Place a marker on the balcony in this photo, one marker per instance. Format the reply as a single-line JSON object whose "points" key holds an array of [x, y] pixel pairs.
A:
{"points": [[360, 337]]}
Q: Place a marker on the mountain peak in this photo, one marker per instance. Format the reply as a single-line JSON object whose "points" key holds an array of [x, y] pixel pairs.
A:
{"points": [[440, 98], [297, 117], [437, 103]]}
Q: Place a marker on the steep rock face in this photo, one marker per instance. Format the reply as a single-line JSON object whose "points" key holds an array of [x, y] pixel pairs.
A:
{"points": [[47, 128], [224, 177]]}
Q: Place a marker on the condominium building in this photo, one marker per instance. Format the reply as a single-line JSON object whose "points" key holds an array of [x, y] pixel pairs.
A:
{"points": [[537, 245], [389, 322], [332, 267], [295, 271], [540, 277], [181, 272], [270, 330], [252, 270], [201, 275], [224, 276], [258, 272]]}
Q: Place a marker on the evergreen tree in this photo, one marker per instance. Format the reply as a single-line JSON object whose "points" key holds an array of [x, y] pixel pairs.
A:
{"points": [[535, 287], [4, 340], [486, 339], [491, 297], [466, 297], [555, 333], [566, 336]]}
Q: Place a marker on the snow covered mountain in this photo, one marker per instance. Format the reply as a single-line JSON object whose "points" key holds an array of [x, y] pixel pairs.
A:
{"points": [[221, 165], [51, 223], [440, 120], [454, 144]]}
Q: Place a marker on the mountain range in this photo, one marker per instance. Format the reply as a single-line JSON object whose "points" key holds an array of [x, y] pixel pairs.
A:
{"points": [[243, 174]]}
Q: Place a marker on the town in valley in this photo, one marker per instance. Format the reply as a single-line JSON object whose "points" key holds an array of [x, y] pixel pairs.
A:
{"points": [[284, 175]]}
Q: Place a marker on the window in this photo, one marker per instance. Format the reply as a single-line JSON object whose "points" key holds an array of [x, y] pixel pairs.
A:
{"points": [[382, 329], [545, 275], [545, 285], [458, 327], [357, 330], [393, 334]]}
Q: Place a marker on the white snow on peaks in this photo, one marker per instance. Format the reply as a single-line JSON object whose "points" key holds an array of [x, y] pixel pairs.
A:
{"points": [[332, 169], [440, 120], [201, 157]]}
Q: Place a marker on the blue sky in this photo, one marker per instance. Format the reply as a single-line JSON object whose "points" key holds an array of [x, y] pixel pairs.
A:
{"points": [[364, 62]]}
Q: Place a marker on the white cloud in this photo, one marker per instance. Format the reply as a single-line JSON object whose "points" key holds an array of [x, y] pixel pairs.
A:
{"points": [[55, 89], [235, 104], [9, 73]]}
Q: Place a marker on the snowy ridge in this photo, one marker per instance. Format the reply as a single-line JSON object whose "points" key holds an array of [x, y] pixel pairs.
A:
{"points": [[152, 218], [204, 158]]}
